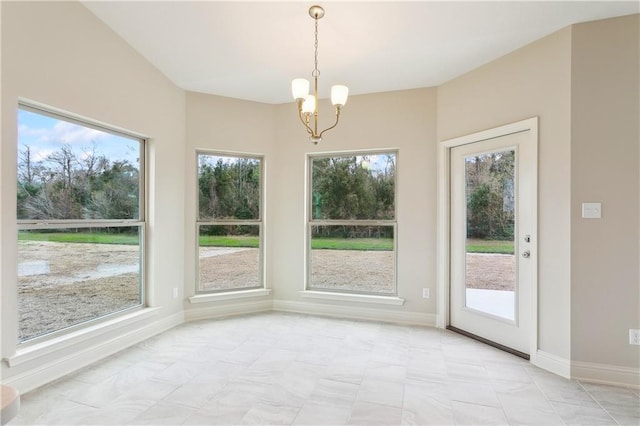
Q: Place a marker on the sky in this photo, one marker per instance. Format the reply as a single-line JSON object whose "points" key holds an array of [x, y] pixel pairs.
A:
{"points": [[45, 135], [376, 163]]}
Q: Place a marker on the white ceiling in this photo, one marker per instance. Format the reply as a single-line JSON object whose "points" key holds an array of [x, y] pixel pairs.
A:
{"points": [[252, 50]]}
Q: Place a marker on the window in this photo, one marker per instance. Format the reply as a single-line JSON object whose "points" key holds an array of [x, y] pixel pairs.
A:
{"points": [[229, 223], [352, 223], [80, 200]]}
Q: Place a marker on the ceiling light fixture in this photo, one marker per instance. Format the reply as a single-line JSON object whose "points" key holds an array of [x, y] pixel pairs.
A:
{"points": [[308, 104]]}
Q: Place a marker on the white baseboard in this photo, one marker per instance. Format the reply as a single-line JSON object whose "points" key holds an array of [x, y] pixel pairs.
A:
{"points": [[440, 323], [606, 374], [553, 363], [586, 371], [222, 309], [356, 312], [50, 371]]}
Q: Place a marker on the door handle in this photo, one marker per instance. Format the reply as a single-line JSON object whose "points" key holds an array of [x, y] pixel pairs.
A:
{"points": [[526, 254]]}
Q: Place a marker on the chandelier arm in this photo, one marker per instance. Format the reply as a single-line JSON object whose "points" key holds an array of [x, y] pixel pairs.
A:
{"points": [[334, 124], [304, 122], [302, 118]]}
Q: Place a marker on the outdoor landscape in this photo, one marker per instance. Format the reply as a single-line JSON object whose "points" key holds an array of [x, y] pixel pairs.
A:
{"points": [[80, 255], [62, 283]]}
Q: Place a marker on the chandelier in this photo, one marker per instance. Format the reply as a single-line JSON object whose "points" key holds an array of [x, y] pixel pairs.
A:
{"points": [[308, 103]]}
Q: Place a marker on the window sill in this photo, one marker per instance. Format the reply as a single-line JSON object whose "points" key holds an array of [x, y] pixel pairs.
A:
{"points": [[31, 351], [230, 295], [347, 297]]}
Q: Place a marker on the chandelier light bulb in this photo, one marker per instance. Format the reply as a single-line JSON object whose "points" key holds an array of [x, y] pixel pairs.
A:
{"points": [[309, 104]]}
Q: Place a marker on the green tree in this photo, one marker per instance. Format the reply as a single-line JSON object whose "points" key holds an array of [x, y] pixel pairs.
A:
{"points": [[351, 188], [228, 188], [490, 195]]}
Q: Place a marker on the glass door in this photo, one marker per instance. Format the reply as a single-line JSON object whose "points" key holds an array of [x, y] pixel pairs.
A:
{"points": [[490, 238]]}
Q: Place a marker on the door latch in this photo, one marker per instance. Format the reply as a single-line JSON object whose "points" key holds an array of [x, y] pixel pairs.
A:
{"points": [[527, 238], [526, 254]]}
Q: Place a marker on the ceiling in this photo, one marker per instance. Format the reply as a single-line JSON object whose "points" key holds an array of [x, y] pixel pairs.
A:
{"points": [[252, 50]]}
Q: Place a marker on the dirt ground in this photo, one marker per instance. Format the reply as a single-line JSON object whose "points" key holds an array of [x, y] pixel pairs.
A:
{"points": [[222, 269], [62, 284], [352, 270], [491, 271]]}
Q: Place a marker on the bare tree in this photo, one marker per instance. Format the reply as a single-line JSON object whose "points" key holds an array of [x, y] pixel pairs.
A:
{"points": [[65, 160], [26, 166], [90, 160]]}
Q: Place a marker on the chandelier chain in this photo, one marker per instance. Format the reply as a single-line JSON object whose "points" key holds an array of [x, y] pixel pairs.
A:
{"points": [[316, 71]]}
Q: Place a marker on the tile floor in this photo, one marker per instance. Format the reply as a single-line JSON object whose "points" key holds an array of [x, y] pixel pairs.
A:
{"points": [[277, 368]]}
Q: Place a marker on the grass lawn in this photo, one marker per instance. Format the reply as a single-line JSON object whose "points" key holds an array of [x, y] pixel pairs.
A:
{"points": [[489, 246], [317, 243], [228, 241], [385, 244], [79, 237]]}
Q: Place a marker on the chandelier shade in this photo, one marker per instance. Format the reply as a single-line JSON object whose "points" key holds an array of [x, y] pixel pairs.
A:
{"points": [[300, 88], [339, 94], [308, 103]]}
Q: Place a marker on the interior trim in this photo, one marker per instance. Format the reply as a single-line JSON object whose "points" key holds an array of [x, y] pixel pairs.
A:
{"points": [[229, 295], [349, 297], [30, 352], [489, 342]]}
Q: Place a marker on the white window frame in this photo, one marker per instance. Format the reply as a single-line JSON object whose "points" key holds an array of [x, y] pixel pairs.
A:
{"points": [[140, 222], [239, 292], [338, 294]]}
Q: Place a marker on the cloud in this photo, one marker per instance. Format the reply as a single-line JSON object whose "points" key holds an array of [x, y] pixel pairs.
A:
{"points": [[73, 134], [61, 132], [25, 131], [46, 135], [41, 154]]}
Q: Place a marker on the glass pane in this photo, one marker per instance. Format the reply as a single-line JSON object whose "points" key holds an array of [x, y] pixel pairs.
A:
{"points": [[69, 276], [353, 187], [69, 171], [490, 260], [353, 258], [229, 187], [229, 257]]}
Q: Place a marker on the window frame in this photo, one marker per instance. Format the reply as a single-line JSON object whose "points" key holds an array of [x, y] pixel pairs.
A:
{"points": [[140, 222], [311, 222], [259, 222]]}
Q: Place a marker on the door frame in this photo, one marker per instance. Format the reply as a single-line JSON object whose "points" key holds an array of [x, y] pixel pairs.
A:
{"points": [[443, 259]]}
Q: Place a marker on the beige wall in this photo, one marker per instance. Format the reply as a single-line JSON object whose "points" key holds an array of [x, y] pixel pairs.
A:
{"points": [[605, 284], [219, 124], [402, 120], [533, 81], [61, 55], [583, 84]]}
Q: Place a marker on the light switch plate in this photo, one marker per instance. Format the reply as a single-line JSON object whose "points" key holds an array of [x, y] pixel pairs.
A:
{"points": [[591, 210]]}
